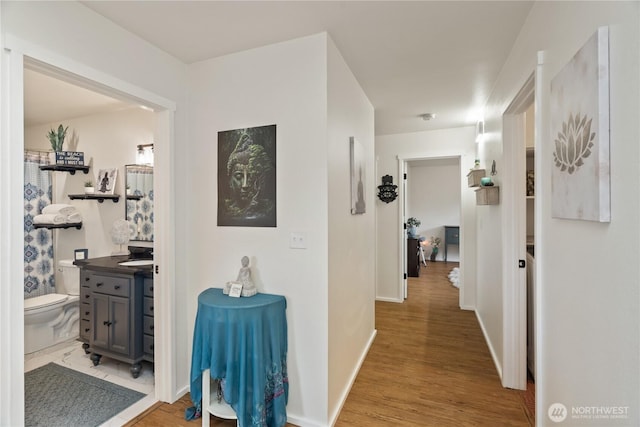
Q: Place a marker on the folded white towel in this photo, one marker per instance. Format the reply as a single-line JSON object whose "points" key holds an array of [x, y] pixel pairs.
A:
{"points": [[50, 219], [74, 218], [59, 208]]}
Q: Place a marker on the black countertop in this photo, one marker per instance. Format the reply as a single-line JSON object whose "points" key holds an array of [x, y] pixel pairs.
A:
{"points": [[110, 264]]}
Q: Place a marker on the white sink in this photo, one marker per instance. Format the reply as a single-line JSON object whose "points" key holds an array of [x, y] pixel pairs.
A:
{"points": [[136, 262]]}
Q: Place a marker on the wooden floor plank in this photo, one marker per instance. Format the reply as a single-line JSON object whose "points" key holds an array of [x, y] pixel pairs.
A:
{"points": [[428, 366]]}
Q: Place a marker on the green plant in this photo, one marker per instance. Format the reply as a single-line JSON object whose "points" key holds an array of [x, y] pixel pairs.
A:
{"points": [[56, 138], [413, 222], [435, 241], [88, 184]]}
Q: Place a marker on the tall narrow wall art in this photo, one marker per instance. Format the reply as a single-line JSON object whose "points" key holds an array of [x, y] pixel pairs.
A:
{"points": [[247, 177], [580, 182]]}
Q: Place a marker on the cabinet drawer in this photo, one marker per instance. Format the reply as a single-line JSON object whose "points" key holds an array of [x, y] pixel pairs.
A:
{"points": [[85, 310], [148, 306], [147, 345], [148, 325], [117, 286], [148, 287], [85, 330]]}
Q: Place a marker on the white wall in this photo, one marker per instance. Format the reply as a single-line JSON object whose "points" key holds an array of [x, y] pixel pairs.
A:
{"points": [[284, 84], [588, 330], [108, 141], [433, 197], [351, 285], [68, 35], [458, 142]]}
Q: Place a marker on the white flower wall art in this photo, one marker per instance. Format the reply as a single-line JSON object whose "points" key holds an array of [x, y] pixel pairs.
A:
{"points": [[580, 183]]}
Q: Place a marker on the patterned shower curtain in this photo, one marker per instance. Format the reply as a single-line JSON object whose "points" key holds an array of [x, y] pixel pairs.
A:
{"points": [[140, 212], [39, 274]]}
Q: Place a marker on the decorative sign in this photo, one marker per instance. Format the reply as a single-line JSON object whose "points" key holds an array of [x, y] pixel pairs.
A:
{"points": [[68, 158], [235, 290]]}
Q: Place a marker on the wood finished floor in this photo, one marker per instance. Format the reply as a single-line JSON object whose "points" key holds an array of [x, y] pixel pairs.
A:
{"points": [[429, 366]]}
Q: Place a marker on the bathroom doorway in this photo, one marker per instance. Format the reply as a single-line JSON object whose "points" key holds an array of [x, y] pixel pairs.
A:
{"points": [[14, 61]]}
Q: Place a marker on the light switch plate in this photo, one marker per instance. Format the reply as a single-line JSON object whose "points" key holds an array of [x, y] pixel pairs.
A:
{"points": [[298, 240]]}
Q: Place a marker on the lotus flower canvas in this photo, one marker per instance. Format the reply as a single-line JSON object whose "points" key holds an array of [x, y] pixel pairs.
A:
{"points": [[579, 140]]}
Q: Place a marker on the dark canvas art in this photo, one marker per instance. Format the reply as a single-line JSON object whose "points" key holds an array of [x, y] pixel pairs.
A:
{"points": [[247, 177]]}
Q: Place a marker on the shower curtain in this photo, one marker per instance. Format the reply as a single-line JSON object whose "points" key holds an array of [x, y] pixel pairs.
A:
{"points": [[39, 274], [140, 212]]}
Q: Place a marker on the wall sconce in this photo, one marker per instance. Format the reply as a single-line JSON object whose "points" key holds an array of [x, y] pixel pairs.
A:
{"points": [[387, 192], [144, 156], [480, 131]]}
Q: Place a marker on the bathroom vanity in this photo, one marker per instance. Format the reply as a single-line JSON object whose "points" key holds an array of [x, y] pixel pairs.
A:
{"points": [[116, 310]]}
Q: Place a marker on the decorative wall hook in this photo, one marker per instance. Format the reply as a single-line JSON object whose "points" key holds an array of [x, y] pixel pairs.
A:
{"points": [[387, 192]]}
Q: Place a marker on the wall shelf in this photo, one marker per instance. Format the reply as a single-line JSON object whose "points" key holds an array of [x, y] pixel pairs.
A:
{"points": [[65, 168], [488, 195], [77, 225], [473, 177], [99, 197]]}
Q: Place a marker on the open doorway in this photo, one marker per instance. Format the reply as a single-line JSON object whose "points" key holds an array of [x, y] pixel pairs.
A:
{"points": [[432, 212], [13, 116]]}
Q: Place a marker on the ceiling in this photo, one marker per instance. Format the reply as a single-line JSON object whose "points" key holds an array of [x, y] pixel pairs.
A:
{"points": [[410, 57]]}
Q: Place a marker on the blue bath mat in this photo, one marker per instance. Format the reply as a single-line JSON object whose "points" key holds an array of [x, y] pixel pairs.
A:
{"points": [[59, 396]]}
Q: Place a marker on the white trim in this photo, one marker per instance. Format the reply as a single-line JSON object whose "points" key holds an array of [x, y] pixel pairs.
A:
{"points": [[67, 69], [11, 244], [514, 284], [402, 274], [496, 361], [70, 70], [402, 166], [354, 375], [385, 299]]}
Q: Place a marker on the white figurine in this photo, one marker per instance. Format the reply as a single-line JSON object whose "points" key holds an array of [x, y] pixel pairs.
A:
{"points": [[244, 278]]}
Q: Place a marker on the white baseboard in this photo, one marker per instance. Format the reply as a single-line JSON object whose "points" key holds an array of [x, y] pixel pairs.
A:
{"points": [[302, 422], [354, 375], [468, 307], [490, 345], [384, 299]]}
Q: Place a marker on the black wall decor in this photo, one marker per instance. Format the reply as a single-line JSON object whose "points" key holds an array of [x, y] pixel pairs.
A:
{"points": [[387, 192]]}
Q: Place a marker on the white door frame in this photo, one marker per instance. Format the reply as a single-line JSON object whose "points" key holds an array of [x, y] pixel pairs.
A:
{"points": [[15, 54], [402, 168], [514, 283]]}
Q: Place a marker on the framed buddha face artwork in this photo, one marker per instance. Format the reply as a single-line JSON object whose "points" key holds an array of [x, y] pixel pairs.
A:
{"points": [[247, 177]]}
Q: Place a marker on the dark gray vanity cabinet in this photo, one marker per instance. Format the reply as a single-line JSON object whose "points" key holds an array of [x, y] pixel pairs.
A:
{"points": [[114, 319], [147, 339]]}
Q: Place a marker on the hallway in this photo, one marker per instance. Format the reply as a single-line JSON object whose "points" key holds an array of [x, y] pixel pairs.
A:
{"points": [[429, 365]]}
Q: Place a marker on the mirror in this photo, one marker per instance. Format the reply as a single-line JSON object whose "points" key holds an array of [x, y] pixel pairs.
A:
{"points": [[139, 196]]}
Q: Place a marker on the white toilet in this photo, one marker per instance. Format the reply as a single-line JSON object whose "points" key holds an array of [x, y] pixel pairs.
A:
{"points": [[53, 318]]}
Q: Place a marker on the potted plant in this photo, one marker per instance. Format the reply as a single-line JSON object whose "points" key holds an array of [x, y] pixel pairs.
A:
{"points": [[56, 138], [88, 187], [412, 225], [435, 244]]}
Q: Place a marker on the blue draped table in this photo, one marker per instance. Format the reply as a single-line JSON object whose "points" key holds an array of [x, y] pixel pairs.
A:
{"points": [[243, 342]]}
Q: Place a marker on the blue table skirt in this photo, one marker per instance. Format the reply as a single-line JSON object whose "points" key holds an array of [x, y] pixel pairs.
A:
{"points": [[243, 341]]}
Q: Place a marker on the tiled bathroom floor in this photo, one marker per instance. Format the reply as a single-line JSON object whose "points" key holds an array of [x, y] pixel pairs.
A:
{"points": [[71, 355]]}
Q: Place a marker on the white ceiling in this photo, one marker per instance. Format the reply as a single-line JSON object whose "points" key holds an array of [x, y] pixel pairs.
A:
{"points": [[409, 57]]}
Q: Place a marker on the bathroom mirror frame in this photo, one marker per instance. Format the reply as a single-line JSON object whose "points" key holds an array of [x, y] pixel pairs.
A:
{"points": [[139, 201]]}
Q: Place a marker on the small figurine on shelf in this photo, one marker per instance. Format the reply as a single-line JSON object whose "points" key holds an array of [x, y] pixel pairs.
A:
{"points": [[244, 278]]}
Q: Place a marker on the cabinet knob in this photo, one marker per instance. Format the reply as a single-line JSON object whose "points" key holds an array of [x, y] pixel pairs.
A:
{"points": [[151, 288], [99, 284], [86, 279], [151, 327], [87, 329], [87, 296], [107, 323], [151, 308], [117, 286], [86, 313]]}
